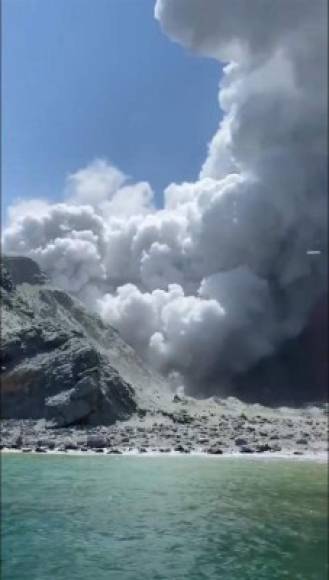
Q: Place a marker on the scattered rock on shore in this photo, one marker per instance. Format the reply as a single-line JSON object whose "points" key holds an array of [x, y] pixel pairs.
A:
{"points": [[215, 434]]}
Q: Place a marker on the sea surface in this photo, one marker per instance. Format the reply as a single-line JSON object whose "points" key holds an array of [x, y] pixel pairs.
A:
{"points": [[162, 518]]}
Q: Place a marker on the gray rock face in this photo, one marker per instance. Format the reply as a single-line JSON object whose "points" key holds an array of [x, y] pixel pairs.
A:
{"points": [[61, 363]]}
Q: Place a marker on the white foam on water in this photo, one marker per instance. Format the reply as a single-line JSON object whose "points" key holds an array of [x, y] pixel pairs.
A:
{"points": [[320, 456]]}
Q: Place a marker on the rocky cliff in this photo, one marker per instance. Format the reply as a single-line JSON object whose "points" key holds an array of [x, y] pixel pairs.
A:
{"points": [[62, 363]]}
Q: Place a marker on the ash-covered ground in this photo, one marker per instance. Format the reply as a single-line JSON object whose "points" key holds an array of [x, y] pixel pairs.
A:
{"points": [[211, 426]]}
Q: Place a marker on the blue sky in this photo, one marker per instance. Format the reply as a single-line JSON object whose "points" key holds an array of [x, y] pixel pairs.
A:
{"points": [[97, 78]]}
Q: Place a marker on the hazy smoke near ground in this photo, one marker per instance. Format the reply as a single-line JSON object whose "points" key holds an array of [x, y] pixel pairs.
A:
{"points": [[219, 277]]}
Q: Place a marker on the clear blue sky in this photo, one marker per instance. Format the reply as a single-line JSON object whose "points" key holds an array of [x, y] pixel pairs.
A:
{"points": [[97, 78]]}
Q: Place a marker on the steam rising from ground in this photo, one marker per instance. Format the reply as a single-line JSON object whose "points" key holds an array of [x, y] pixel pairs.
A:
{"points": [[216, 280]]}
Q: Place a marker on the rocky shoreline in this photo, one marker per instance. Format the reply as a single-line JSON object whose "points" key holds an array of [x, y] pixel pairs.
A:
{"points": [[70, 384], [213, 433]]}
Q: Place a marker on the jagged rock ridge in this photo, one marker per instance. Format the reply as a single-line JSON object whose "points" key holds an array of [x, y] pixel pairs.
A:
{"points": [[62, 363]]}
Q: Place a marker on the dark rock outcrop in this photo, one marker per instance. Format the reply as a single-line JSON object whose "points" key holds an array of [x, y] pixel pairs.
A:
{"points": [[61, 363]]}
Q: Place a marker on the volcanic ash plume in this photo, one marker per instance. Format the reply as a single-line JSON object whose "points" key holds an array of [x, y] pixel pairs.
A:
{"points": [[233, 264]]}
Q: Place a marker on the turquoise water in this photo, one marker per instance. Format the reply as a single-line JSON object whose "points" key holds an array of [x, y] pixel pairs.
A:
{"points": [[162, 518]]}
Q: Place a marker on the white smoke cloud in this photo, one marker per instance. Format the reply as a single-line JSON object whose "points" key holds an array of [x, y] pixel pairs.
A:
{"points": [[105, 187], [219, 277]]}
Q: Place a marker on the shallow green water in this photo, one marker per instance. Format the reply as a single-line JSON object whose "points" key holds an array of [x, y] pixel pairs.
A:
{"points": [[140, 518]]}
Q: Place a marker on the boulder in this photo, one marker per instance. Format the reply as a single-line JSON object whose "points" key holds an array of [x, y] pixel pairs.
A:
{"points": [[276, 447], [96, 442], [302, 441], [240, 441], [48, 443], [215, 450], [247, 449], [181, 449], [263, 447], [70, 446]]}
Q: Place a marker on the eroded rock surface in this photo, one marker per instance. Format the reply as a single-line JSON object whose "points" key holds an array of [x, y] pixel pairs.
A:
{"points": [[61, 363]]}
